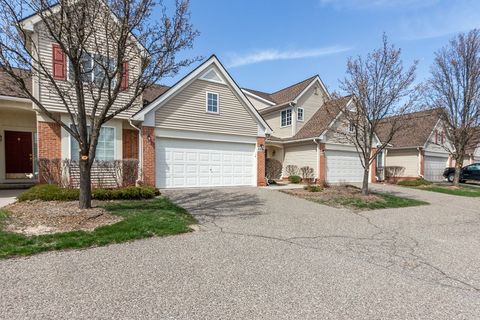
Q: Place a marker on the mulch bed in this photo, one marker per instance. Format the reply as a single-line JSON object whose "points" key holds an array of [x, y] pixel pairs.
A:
{"points": [[332, 193], [42, 217]]}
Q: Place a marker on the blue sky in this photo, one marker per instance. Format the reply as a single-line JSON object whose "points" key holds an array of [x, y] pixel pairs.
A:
{"points": [[269, 44]]}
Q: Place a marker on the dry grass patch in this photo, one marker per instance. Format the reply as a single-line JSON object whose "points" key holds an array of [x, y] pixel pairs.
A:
{"points": [[346, 196], [40, 217]]}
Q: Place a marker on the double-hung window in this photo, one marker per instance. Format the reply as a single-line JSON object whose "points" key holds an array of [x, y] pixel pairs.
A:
{"points": [[212, 102], [86, 68], [105, 145], [286, 118], [300, 114], [94, 69]]}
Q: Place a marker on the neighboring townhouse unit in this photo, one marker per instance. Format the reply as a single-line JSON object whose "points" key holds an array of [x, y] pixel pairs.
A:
{"points": [[309, 130], [473, 150], [419, 149]]}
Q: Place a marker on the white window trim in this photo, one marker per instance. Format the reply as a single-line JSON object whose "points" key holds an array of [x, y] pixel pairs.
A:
{"points": [[303, 114], [291, 120], [206, 102], [114, 143], [350, 127], [92, 65]]}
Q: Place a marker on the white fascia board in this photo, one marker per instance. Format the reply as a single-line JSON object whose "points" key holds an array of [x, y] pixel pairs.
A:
{"points": [[157, 103], [15, 99], [204, 136], [258, 97], [314, 81]]}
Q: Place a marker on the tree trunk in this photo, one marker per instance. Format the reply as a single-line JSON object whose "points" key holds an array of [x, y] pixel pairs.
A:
{"points": [[85, 185], [458, 168], [366, 174]]}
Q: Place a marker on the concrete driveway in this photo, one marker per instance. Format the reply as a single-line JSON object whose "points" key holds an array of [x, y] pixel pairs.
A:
{"points": [[8, 196], [262, 254]]}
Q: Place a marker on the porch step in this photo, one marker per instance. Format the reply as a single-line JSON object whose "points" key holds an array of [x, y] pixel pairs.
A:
{"points": [[16, 185]]}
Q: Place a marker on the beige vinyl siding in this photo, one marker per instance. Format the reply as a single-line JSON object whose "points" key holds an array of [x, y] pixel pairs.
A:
{"points": [[407, 158], [259, 105], [187, 111], [273, 120], [338, 132], [48, 95], [301, 155], [310, 103]]}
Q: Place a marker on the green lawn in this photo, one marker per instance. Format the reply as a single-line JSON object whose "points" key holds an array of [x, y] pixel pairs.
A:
{"points": [[386, 201], [142, 219], [463, 191]]}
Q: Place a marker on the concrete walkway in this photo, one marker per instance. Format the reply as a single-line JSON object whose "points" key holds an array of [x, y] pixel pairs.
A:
{"points": [[8, 196], [263, 254]]}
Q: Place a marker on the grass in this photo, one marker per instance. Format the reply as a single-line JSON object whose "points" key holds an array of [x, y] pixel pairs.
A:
{"points": [[141, 219], [462, 191], [386, 201], [50, 192]]}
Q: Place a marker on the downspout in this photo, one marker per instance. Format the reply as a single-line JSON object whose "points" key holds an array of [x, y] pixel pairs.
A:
{"points": [[318, 158], [420, 160], [140, 152]]}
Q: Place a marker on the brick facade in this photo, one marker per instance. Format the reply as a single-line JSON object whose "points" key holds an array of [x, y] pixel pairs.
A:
{"points": [[129, 144], [148, 155], [261, 162], [49, 140], [322, 165]]}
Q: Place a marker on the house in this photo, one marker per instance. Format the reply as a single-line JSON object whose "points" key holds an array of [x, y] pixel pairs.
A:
{"points": [[418, 149], [473, 150], [310, 131], [202, 131]]}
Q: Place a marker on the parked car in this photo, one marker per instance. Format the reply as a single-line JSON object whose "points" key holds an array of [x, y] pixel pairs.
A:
{"points": [[470, 172]]}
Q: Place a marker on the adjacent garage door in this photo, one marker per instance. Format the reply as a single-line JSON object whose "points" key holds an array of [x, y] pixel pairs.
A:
{"points": [[343, 166], [197, 163], [434, 167]]}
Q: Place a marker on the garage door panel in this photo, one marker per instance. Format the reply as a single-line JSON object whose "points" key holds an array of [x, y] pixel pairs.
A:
{"points": [[434, 167], [192, 163], [343, 166]]}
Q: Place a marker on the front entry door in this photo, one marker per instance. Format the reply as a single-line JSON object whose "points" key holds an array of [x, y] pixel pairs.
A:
{"points": [[18, 154]]}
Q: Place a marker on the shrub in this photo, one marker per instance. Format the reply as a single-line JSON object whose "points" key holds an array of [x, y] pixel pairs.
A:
{"points": [[307, 173], [313, 188], [273, 169], [414, 183], [291, 170], [294, 179], [50, 192]]}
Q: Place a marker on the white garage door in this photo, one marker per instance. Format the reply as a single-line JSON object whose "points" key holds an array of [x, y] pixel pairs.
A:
{"points": [[343, 166], [197, 163], [434, 167]]}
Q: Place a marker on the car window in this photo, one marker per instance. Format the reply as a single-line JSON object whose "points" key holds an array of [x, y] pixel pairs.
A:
{"points": [[474, 167]]}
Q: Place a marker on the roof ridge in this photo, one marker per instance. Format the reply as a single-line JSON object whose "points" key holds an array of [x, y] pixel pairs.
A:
{"points": [[293, 85]]}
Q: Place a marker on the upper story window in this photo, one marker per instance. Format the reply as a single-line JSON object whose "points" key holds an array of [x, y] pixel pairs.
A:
{"points": [[286, 118], [351, 127], [105, 146], [94, 69], [212, 102], [300, 114]]}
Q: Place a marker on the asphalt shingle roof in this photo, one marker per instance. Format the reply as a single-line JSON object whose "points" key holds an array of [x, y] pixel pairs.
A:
{"points": [[8, 86]]}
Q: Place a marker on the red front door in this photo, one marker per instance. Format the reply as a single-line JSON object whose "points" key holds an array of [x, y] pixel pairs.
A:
{"points": [[18, 152]]}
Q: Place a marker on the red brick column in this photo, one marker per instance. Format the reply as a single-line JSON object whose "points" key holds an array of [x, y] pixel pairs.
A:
{"points": [[261, 162], [422, 162], [148, 155], [129, 144], [450, 161], [49, 143], [322, 165], [373, 168]]}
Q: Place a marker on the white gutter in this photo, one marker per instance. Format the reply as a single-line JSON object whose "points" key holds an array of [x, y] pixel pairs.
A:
{"points": [[16, 99], [140, 151]]}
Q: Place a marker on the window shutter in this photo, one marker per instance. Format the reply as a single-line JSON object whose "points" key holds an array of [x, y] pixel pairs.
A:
{"points": [[58, 63], [124, 78], [436, 136]]}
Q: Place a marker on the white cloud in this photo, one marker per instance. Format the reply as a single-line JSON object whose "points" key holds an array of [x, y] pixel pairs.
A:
{"points": [[448, 19], [274, 54]]}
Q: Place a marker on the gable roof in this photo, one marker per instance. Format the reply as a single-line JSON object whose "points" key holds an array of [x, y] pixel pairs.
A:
{"points": [[194, 74], [289, 94], [320, 121], [415, 131], [153, 92], [8, 86]]}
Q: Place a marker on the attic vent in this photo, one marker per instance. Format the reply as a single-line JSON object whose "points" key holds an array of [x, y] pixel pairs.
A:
{"points": [[212, 75], [316, 91]]}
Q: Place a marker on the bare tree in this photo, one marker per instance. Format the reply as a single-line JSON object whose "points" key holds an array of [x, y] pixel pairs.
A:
{"points": [[381, 88], [455, 87], [113, 50]]}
